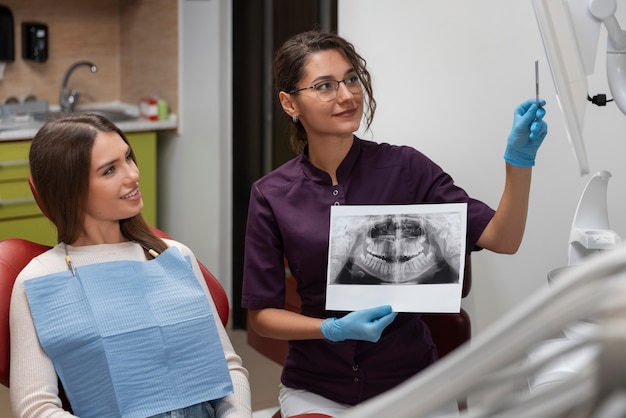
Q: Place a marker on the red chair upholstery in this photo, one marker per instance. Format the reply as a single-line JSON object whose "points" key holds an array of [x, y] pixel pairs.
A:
{"points": [[449, 331], [15, 253]]}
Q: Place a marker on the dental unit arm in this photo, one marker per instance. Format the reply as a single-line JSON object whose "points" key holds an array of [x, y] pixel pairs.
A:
{"points": [[604, 10], [570, 31], [496, 360], [590, 232]]}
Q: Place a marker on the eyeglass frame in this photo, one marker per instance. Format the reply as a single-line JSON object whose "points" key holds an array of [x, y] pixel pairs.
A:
{"points": [[336, 89]]}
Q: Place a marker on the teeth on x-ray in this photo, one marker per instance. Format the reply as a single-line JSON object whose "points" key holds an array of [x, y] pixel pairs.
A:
{"points": [[397, 251]]}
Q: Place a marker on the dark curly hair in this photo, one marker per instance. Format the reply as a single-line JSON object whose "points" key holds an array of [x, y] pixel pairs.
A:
{"points": [[289, 63]]}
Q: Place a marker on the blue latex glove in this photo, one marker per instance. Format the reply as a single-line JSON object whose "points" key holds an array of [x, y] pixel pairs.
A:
{"points": [[529, 130], [365, 325]]}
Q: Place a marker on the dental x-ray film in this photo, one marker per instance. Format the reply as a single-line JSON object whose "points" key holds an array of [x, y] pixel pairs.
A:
{"points": [[411, 257]]}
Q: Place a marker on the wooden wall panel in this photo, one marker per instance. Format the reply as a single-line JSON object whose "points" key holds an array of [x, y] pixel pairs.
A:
{"points": [[101, 31], [149, 50]]}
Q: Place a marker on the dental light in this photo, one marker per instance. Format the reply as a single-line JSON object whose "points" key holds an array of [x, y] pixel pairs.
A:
{"points": [[570, 30]]}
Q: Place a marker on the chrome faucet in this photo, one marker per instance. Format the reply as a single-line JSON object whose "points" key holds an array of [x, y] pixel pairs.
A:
{"points": [[67, 101]]}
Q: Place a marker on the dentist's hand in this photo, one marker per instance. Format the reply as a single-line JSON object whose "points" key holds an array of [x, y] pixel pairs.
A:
{"points": [[527, 134], [365, 325]]}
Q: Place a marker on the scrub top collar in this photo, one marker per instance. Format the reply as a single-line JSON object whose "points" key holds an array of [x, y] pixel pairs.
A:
{"points": [[343, 171]]}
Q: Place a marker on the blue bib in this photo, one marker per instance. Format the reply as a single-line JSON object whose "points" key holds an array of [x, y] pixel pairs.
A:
{"points": [[130, 338]]}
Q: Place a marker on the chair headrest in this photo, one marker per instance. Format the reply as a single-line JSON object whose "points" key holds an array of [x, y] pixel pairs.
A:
{"points": [[14, 255]]}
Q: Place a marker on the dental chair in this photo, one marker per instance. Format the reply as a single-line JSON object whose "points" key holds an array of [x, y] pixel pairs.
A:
{"points": [[15, 253], [448, 331]]}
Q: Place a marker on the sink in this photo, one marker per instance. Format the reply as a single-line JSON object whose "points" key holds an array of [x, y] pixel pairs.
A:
{"points": [[13, 127], [112, 115], [119, 113]]}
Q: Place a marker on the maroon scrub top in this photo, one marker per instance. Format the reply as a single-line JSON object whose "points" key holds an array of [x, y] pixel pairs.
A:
{"points": [[289, 214]]}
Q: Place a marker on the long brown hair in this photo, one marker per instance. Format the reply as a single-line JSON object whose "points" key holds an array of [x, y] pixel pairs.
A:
{"points": [[60, 161], [289, 63]]}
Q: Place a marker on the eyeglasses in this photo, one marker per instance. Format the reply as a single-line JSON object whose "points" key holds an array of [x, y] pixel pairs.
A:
{"points": [[327, 90]]}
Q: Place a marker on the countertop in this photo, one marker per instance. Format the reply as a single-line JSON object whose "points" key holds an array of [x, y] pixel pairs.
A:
{"points": [[27, 129]]}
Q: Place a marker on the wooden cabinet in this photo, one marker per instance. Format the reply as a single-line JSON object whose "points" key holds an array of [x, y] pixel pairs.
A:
{"points": [[19, 215]]}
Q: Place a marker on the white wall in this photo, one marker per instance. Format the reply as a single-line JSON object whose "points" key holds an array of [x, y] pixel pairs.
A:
{"points": [[447, 77], [195, 164]]}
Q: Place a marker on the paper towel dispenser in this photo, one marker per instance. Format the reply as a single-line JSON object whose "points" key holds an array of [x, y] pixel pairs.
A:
{"points": [[34, 41], [7, 39]]}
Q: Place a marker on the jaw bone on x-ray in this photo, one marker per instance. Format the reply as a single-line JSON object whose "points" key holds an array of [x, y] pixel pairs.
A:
{"points": [[399, 249]]}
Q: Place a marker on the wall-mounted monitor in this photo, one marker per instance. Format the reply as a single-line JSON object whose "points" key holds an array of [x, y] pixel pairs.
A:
{"points": [[570, 37]]}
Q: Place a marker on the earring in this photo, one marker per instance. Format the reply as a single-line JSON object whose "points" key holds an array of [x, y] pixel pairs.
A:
{"points": [[294, 118]]}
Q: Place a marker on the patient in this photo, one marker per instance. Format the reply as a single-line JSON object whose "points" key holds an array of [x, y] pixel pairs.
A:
{"points": [[123, 318]]}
